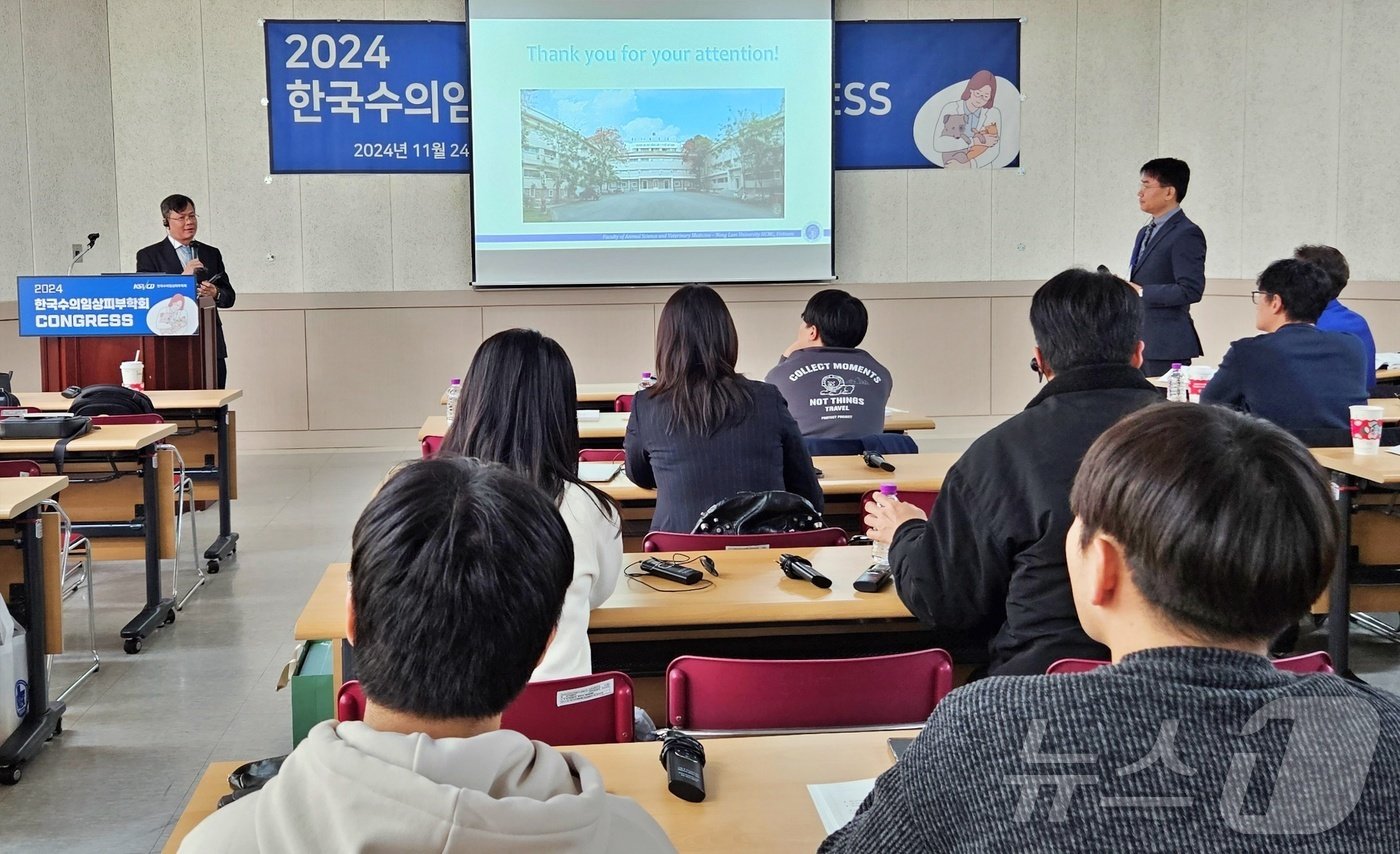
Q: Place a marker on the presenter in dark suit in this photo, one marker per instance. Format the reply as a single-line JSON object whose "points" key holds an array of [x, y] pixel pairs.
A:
{"points": [[1297, 376], [180, 254], [1168, 267]]}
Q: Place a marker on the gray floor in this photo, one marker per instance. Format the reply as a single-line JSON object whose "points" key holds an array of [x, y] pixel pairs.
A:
{"points": [[139, 735]]}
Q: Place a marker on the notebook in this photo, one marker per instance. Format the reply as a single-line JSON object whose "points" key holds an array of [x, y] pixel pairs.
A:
{"points": [[598, 472]]}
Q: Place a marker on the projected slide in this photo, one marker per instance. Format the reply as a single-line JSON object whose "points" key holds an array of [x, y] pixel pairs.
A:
{"points": [[611, 146], [635, 166]]}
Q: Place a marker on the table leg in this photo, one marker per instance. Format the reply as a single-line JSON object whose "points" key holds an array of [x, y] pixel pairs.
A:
{"points": [[1339, 596], [158, 611], [227, 542], [44, 719]]}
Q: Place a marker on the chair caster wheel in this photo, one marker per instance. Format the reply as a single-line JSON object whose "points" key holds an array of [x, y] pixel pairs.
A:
{"points": [[132, 645], [169, 618], [10, 774], [213, 567]]}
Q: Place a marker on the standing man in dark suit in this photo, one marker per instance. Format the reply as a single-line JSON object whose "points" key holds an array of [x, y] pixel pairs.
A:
{"points": [[180, 254], [1168, 267]]}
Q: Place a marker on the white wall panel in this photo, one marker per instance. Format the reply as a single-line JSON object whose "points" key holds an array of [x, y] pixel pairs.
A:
{"points": [[1370, 89], [345, 232], [158, 117], [872, 221], [68, 98], [1293, 117], [950, 225], [605, 343], [16, 233], [430, 218], [1115, 124], [1203, 53]]}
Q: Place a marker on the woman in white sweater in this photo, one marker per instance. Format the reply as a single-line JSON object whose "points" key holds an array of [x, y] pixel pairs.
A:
{"points": [[518, 408]]}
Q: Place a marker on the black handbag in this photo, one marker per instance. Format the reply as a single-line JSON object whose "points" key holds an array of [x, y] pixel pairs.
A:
{"points": [[111, 400], [772, 512], [44, 426]]}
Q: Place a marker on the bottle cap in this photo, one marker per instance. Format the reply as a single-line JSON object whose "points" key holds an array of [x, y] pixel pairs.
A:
{"points": [[456, 381], [646, 375], [887, 489], [1176, 366]]}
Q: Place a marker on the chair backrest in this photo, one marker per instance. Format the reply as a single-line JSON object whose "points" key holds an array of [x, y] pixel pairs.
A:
{"points": [[144, 418], [602, 455], [920, 498], [20, 468], [664, 541], [591, 709], [622, 403], [1311, 662], [726, 694], [820, 447], [431, 445], [350, 702]]}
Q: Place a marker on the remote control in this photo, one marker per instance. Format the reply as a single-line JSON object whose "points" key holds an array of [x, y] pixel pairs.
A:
{"points": [[873, 579], [662, 569]]}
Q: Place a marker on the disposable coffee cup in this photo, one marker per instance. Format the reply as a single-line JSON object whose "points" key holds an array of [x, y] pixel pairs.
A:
{"points": [[1366, 429], [1197, 376], [134, 375]]}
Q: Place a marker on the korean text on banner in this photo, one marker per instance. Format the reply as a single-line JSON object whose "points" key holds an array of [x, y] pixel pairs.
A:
{"points": [[367, 96]]}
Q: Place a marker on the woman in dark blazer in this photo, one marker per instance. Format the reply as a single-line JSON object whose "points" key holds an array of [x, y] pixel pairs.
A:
{"points": [[703, 432]]}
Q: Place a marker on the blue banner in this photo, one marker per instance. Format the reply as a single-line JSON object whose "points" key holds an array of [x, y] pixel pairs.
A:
{"points": [[367, 96], [928, 94], [138, 304]]}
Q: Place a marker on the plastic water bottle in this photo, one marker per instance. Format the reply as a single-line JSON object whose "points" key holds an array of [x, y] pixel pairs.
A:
{"points": [[1176, 384], [454, 391], [879, 552], [647, 380]]}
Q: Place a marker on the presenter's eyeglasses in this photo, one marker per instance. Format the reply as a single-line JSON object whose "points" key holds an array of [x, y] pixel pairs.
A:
{"points": [[189, 217]]}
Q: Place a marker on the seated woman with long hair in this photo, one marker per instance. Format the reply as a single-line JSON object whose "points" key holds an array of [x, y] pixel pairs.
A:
{"points": [[518, 409], [704, 433]]}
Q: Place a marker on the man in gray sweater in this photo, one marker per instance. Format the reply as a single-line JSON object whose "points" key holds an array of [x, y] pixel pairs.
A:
{"points": [[1199, 534]]}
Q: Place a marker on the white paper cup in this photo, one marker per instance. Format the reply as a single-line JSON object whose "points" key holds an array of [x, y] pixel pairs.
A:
{"points": [[134, 375], [1366, 429], [1197, 377]]}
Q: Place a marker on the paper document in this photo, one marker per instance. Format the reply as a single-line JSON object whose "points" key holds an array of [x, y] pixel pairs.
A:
{"points": [[589, 414], [598, 472], [890, 410], [837, 802]]}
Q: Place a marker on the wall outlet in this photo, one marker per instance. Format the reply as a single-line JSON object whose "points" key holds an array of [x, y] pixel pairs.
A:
{"points": [[77, 250]]}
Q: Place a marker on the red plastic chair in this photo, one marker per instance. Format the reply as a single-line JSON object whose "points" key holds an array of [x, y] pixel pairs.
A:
{"points": [[663, 541], [350, 702], [601, 455], [622, 403], [1312, 662], [722, 695], [431, 445], [544, 711], [552, 711], [920, 498]]}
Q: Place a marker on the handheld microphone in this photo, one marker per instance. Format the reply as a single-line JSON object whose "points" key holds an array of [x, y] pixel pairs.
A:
{"points": [[92, 239], [876, 461], [668, 570], [683, 758], [801, 569]]}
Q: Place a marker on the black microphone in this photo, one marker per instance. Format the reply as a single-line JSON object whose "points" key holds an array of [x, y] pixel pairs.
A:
{"points": [[683, 758], [876, 461], [798, 567], [1103, 268], [92, 238]]}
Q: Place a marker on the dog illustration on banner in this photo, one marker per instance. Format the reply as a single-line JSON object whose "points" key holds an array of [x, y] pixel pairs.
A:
{"points": [[962, 126]]}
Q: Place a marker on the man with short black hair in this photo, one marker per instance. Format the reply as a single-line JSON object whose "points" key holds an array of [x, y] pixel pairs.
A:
{"points": [[180, 254], [990, 559], [458, 572], [1295, 375], [1168, 266], [834, 389], [1199, 534], [1337, 317]]}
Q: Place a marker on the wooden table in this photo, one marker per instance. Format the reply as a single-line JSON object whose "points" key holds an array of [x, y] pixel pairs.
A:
{"points": [[190, 406], [19, 500], [612, 426], [756, 796], [120, 443], [840, 476], [1350, 471], [1389, 375]]}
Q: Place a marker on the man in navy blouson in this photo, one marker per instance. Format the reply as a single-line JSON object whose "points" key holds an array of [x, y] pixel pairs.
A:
{"points": [[1337, 317]]}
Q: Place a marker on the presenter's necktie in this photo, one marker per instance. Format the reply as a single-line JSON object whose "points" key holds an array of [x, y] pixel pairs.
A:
{"points": [[1142, 245], [186, 254]]}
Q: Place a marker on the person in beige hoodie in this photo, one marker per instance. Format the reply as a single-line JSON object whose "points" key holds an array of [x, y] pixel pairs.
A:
{"points": [[457, 577]]}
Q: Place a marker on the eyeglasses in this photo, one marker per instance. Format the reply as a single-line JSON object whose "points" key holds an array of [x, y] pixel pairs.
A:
{"points": [[1150, 187], [1255, 295], [189, 217]]}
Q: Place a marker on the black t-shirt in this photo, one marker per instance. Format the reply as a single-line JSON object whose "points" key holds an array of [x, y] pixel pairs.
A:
{"points": [[834, 392]]}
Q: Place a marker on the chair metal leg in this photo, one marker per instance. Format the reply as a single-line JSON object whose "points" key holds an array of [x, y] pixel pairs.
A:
{"points": [[1385, 630], [186, 489], [92, 633]]}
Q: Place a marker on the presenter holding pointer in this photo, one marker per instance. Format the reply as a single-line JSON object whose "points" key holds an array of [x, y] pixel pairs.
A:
{"points": [[181, 254], [1168, 267]]}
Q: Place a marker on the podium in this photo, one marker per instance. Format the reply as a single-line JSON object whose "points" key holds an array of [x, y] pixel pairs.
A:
{"points": [[172, 361]]}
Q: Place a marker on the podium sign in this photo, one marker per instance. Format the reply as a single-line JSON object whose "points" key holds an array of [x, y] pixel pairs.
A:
{"points": [[125, 305]]}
